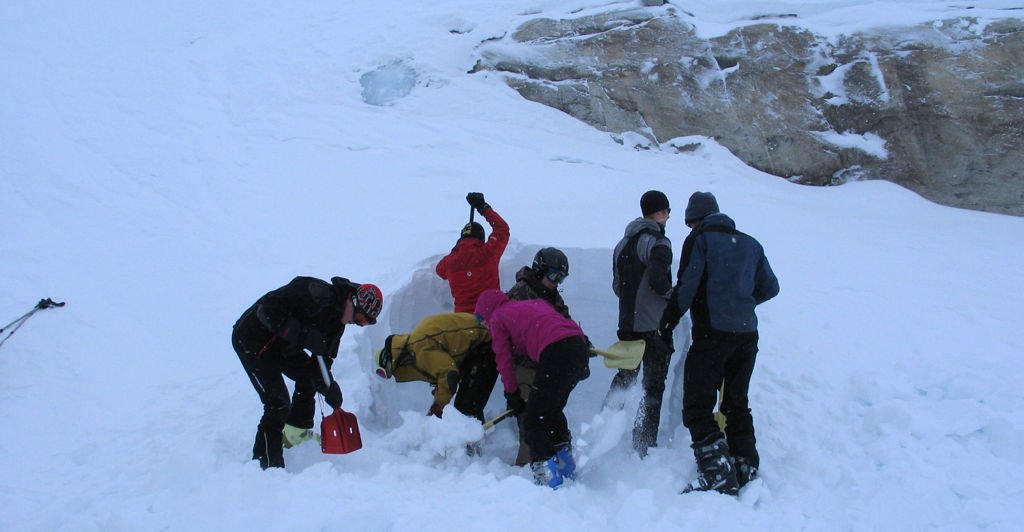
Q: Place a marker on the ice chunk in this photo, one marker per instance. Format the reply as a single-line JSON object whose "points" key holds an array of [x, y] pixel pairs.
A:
{"points": [[387, 83]]}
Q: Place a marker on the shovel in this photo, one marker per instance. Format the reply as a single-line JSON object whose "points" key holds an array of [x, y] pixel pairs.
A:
{"points": [[339, 433], [624, 354]]}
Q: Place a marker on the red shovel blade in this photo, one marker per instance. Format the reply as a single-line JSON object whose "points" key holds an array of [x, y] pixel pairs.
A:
{"points": [[339, 433]]}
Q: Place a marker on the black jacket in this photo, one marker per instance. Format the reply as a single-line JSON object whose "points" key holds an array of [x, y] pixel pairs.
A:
{"points": [[642, 275], [303, 314]]}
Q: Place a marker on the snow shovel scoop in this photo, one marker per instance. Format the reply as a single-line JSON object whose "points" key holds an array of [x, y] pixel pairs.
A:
{"points": [[624, 354], [339, 433]]}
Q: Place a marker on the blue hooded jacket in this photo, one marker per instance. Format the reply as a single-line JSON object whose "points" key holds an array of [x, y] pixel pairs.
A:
{"points": [[723, 278]]}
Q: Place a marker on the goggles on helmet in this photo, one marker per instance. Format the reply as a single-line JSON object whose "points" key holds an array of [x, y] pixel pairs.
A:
{"points": [[556, 276]]}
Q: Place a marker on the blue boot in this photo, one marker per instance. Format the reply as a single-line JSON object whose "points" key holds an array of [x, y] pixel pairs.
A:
{"points": [[545, 473], [564, 463]]}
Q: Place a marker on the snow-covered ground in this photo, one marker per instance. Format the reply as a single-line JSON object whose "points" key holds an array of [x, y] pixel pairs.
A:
{"points": [[162, 165]]}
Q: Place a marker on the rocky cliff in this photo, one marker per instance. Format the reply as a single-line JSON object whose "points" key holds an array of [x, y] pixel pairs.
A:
{"points": [[937, 108]]}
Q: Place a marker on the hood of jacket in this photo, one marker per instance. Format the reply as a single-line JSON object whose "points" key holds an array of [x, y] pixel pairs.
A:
{"points": [[717, 220], [641, 224], [489, 301]]}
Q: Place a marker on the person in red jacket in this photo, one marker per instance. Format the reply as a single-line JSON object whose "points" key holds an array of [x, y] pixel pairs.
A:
{"points": [[472, 266]]}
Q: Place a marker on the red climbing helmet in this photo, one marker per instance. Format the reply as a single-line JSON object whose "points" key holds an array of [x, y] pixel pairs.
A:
{"points": [[367, 302]]}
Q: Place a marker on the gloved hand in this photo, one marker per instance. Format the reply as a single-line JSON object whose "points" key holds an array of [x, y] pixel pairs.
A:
{"points": [[515, 403], [665, 333], [333, 395], [476, 200], [294, 435], [436, 410]]}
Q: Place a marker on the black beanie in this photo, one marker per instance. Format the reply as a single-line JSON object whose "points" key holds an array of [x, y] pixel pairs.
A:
{"points": [[701, 204], [472, 230], [653, 201]]}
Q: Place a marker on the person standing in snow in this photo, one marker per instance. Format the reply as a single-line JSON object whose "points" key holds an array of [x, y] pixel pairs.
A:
{"points": [[272, 338], [642, 280], [450, 351], [723, 275], [472, 265], [558, 346], [538, 281]]}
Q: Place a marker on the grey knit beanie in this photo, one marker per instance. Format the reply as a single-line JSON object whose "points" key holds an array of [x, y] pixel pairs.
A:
{"points": [[701, 204]]}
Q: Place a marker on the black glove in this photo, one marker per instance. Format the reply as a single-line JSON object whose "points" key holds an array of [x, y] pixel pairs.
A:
{"points": [[476, 200], [665, 333], [515, 403], [333, 395]]}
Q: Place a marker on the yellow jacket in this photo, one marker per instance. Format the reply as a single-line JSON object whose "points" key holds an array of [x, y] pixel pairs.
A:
{"points": [[435, 349]]}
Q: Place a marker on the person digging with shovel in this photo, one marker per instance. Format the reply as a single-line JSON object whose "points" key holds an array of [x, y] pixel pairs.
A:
{"points": [[294, 331], [557, 344]]}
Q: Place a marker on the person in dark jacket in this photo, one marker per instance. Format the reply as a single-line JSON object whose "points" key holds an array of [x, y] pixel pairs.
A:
{"points": [[559, 347], [450, 351], [472, 266], [723, 275], [272, 338], [539, 281], [642, 280]]}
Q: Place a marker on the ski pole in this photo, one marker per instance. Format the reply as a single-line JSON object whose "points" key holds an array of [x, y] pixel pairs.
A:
{"points": [[41, 305], [501, 417], [471, 213]]}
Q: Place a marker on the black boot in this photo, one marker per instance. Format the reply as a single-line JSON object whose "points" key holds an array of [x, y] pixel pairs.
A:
{"points": [[746, 470], [714, 467], [268, 448]]}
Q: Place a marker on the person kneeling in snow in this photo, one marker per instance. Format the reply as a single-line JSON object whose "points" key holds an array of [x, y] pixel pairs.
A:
{"points": [[450, 351], [559, 347], [272, 338]]}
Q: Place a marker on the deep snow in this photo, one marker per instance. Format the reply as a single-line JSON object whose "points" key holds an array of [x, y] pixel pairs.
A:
{"points": [[162, 166]]}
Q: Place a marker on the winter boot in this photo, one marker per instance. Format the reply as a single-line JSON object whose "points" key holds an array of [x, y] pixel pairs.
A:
{"points": [[268, 448], [545, 473], [564, 463], [714, 466], [745, 470]]}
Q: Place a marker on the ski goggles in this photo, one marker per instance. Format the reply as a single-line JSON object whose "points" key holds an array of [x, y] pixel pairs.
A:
{"points": [[384, 362], [556, 276]]}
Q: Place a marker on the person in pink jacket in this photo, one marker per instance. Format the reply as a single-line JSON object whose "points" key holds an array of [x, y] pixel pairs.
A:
{"points": [[534, 328]]}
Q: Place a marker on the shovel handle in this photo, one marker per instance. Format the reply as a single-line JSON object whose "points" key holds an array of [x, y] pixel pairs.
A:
{"points": [[502, 416], [323, 370]]}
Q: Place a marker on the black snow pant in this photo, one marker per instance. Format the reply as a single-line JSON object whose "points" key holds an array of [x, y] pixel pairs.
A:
{"points": [[479, 372], [562, 365], [712, 358], [266, 372], [657, 357]]}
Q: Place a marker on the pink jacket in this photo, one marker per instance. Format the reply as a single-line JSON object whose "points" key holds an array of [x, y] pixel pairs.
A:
{"points": [[524, 327]]}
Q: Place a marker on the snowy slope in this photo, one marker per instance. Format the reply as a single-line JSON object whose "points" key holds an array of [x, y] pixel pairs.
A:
{"points": [[162, 166]]}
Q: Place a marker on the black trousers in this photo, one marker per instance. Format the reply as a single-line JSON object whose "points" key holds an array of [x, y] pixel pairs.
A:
{"points": [[713, 358], [657, 357], [266, 372], [479, 373], [561, 368]]}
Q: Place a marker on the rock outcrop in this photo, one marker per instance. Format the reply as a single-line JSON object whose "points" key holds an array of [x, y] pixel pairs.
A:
{"points": [[937, 108]]}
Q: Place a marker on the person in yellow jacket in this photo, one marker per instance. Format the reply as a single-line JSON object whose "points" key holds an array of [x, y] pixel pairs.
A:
{"points": [[450, 351]]}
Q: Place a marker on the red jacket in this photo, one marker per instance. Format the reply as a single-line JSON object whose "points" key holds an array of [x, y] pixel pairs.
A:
{"points": [[472, 266]]}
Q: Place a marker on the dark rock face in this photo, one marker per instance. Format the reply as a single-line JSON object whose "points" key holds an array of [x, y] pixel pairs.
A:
{"points": [[937, 108]]}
